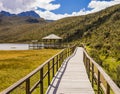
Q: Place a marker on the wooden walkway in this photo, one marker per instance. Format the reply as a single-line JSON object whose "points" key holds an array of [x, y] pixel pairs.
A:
{"points": [[71, 77]]}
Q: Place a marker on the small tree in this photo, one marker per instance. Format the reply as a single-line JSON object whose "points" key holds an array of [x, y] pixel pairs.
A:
{"points": [[94, 54]]}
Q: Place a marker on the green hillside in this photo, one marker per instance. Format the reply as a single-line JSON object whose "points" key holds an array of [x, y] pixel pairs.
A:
{"points": [[100, 32], [13, 29]]}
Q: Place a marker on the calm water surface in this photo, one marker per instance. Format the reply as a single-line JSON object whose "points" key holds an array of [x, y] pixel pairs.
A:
{"points": [[10, 46]]}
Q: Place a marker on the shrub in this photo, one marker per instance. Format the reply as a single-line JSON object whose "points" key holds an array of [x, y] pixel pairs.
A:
{"points": [[107, 67], [97, 45], [95, 55], [118, 75]]}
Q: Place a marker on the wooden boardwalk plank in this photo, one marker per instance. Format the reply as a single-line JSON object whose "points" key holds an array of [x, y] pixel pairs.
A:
{"points": [[71, 77]]}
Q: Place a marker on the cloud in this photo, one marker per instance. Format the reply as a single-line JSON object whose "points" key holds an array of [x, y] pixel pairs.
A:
{"points": [[98, 5], [94, 5], [47, 5], [52, 16], [18, 6]]}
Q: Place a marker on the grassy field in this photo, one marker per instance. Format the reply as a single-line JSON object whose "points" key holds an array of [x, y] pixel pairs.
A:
{"points": [[16, 64]]}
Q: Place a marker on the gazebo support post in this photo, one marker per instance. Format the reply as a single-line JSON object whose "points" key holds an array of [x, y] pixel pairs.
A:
{"points": [[54, 43]]}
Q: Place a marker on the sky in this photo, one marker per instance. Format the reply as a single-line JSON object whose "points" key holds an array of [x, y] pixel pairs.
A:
{"points": [[56, 9]]}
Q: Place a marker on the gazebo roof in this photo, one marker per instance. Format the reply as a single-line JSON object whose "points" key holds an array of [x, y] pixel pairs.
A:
{"points": [[52, 36]]}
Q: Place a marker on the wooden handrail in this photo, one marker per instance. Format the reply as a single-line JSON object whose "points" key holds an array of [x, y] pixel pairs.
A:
{"points": [[60, 58], [109, 81]]}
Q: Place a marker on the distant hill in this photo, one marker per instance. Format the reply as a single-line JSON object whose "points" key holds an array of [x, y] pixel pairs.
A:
{"points": [[11, 21], [23, 14], [13, 25], [29, 14], [4, 13]]}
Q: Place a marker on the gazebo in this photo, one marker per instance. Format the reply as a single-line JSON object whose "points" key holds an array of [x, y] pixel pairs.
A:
{"points": [[52, 41]]}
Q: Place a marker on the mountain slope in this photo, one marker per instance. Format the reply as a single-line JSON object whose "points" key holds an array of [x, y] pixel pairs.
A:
{"points": [[13, 27], [4, 13], [22, 14], [29, 14]]}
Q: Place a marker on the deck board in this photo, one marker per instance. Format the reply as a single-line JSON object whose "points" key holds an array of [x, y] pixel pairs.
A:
{"points": [[71, 77]]}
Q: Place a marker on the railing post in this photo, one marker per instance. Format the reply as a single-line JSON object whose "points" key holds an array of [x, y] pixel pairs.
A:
{"points": [[69, 51], [108, 89], [41, 83], [84, 59], [57, 63], [72, 49], [98, 82], [28, 86], [65, 53], [88, 68], [92, 75], [48, 73], [53, 67], [86, 62], [59, 59], [62, 57]]}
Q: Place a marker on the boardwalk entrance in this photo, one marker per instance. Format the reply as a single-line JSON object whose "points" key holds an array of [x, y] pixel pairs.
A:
{"points": [[71, 77]]}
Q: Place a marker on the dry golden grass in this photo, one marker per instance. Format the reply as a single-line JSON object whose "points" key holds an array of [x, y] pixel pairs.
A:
{"points": [[16, 64]]}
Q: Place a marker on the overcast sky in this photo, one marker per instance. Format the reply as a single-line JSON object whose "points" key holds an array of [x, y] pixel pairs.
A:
{"points": [[56, 9]]}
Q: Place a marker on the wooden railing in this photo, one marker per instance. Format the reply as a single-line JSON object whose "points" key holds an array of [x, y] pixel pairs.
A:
{"points": [[101, 82], [43, 74], [40, 45]]}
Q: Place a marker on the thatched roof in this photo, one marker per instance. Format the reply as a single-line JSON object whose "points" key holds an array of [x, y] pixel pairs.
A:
{"points": [[52, 36]]}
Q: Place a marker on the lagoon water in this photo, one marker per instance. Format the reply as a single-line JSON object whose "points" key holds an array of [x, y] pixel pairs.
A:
{"points": [[11, 46]]}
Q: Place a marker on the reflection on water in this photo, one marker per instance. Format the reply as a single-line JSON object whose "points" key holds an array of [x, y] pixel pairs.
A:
{"points": [[9, 46]]}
